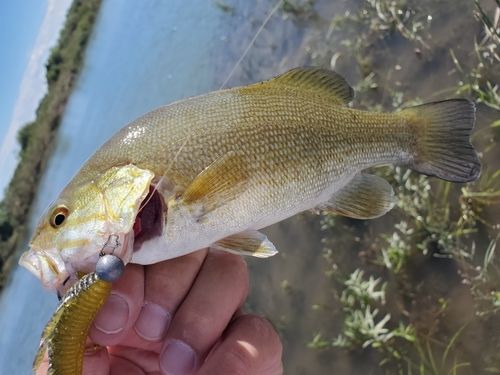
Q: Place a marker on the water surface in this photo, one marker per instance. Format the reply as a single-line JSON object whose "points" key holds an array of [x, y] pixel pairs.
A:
{"points": [[146, 54]]}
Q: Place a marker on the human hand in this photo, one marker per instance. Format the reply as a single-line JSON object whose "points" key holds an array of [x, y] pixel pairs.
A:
{"points": [[182, 316]]}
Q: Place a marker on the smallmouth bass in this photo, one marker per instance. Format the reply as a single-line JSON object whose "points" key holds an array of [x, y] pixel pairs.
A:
{"points": [[212, 170]]}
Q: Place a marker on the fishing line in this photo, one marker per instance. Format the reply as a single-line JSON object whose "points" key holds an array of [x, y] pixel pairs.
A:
{"points": [[252, 42], [150, 196], [106, 244], [266, 20]]}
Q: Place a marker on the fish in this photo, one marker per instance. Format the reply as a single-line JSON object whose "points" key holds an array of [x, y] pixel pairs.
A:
{"points": [[212, 170], [65, 335]]}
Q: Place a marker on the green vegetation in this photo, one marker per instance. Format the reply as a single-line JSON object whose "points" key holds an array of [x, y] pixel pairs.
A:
{"points": [[37, 138], [393, 305], [228, 9]]}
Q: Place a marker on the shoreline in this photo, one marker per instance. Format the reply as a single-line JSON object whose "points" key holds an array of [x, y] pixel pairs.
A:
{"points": [[37, 139]]}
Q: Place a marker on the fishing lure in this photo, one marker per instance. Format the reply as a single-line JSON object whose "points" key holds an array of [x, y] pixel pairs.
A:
{"points": [[66, 332]]}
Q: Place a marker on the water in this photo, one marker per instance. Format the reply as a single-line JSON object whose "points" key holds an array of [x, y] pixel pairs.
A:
{"points": [[129, 70], [146, 54], [142, 55], [24, 85]]}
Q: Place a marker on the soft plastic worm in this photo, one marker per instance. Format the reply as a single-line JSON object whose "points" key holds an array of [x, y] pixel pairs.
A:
{"points": [[66, 332]]}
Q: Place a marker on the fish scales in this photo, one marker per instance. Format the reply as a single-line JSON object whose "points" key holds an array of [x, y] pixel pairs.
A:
{"points": [[212, 170], [282, 138]]}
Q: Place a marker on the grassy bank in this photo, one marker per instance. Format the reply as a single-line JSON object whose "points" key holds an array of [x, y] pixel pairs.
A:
{"points": [[37, 138]]}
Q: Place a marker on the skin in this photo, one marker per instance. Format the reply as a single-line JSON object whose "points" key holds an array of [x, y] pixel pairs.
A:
{"points": [[149, 321]]}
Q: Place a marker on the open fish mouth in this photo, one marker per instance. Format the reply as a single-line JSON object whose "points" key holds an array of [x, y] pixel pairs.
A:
{"points": [[149, 221], [47, 265], [58, 272]]}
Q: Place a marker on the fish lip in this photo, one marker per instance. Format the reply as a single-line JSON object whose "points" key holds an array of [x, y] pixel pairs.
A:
{"points": [[57, 272], [30, 261], [47, 265]]}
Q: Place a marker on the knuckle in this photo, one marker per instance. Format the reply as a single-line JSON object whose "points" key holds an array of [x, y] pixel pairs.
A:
{"points": [[238, 360], [197, 320], [262, 328], [235, 268], [266, 333]]}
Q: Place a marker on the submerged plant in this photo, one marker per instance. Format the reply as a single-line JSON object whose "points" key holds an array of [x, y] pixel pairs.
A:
{"points": [[396, 15], [396, 254], [432, 219], [362, 326], [362, 292], [477, 80]]}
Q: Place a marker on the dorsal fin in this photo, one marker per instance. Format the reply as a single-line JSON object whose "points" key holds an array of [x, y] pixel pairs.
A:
{"points": [[317, 79]]}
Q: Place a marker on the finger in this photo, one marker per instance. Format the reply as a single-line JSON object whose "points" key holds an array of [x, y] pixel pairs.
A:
{"points": [[133, 359], [166, 286], [219, 290], [118, 314], [250, 346], [120, 366], [44, 366], [95, 362]]}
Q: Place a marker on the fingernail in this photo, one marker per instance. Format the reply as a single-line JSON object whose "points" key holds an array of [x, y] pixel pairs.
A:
{"points": [[177, 358], [152, 322], [113, 315]]}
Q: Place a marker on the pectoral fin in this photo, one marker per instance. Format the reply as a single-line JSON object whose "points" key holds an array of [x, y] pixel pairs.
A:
{"points": [[221, 182], [250, 242], [365, 197]]}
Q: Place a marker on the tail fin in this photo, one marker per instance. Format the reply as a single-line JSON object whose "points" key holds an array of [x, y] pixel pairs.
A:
{"points": [[443, 140]]}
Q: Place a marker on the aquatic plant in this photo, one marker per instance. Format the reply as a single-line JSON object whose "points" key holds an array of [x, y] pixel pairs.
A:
{"points": [[362, 326], [476, 78], [398, 249], [432, 219], [226, 8]]}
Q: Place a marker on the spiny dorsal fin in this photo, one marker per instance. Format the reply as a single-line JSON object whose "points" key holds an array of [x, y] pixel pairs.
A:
{"points": [[224, 180], [250, 242], [317, 79], [365, 197]]}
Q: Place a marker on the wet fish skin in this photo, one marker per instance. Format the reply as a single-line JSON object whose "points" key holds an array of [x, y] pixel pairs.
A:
{"points": [[228, 163]]}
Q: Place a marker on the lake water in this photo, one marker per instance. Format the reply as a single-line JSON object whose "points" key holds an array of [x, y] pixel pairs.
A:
{"points": [[146, 54], [142, 55]]}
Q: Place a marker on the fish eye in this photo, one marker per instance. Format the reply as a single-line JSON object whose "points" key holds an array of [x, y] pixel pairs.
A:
{"points": [[58, 216]]}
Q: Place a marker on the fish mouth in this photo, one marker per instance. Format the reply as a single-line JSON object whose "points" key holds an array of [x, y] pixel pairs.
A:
{"points": [[150, 218], [47, 265]]}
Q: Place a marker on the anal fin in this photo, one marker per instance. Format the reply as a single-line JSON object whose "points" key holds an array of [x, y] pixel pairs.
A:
{"points": [[365, 197], [250, 242]]}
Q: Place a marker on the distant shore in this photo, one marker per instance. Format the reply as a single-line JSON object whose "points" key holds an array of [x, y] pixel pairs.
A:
{"points": [[37, 138]]}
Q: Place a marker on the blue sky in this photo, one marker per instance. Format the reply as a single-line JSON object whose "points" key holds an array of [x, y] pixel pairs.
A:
{"points": [[28, 29]]}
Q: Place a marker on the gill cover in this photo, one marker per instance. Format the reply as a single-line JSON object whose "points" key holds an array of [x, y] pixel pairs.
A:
{"points": [[78, 225]]}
